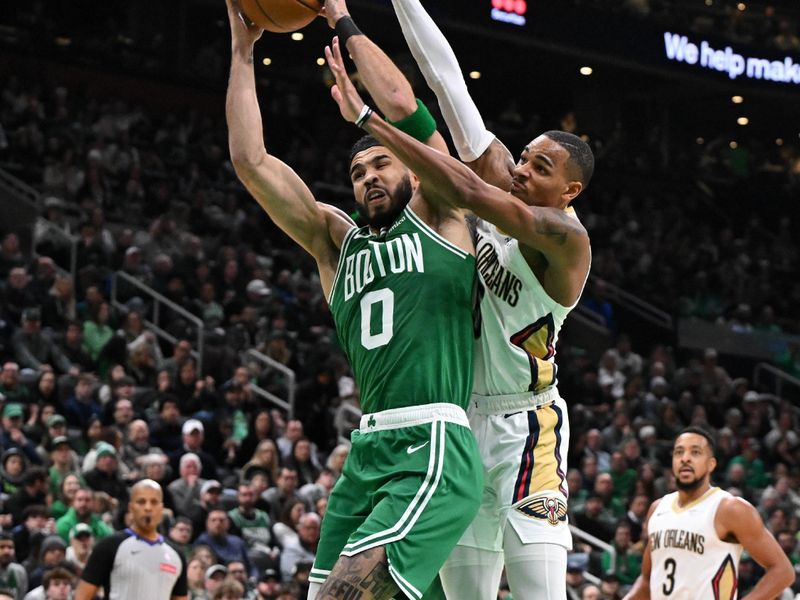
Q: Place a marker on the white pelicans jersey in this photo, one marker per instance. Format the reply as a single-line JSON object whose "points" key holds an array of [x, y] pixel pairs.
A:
{"points": [[689, 560], [519, 322]]}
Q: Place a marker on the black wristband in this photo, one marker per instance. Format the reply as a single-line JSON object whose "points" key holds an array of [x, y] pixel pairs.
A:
{"points": [[345, 29]]}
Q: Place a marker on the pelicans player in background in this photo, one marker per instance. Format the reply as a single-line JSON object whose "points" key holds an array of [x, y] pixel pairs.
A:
{"points": [[695, 536]]}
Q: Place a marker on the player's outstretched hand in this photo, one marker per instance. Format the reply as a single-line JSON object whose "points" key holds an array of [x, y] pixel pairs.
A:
{"points": [[333, 11], [243, 33], [344, 92]]}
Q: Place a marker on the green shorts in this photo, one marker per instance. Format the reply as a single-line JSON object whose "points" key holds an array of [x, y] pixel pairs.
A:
{"points": [[412, 483]]}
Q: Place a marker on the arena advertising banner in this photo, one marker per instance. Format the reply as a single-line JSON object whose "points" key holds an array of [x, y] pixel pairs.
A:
{"points": [[702, 54], [619, 37]]}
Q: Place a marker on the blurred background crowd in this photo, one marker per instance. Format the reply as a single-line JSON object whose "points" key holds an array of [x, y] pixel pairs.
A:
{"points": [[154, 323]]}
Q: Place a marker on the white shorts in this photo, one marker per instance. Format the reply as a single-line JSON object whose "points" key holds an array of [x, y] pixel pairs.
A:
{"points": [[524, 455]]}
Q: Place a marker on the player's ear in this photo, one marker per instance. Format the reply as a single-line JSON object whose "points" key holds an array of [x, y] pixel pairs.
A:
{"points": [[712, 464], [414, 180], [572, 190]]}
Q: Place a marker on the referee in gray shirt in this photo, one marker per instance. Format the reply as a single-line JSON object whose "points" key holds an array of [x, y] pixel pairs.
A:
{"points": [[137, 562]]}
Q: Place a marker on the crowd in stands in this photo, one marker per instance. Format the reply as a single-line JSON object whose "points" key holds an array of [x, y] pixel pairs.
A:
{"points": [[760, 23], [93, 400]]}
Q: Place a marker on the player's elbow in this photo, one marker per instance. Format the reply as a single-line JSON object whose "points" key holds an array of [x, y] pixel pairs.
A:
{"points": [[245, 164], [471, 191], [786, 574]]}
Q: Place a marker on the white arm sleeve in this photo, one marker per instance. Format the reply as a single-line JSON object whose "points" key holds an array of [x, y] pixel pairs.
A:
{"points": [[440, 67]]}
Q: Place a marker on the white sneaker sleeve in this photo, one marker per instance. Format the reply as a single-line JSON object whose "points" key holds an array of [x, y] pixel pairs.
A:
{"points": [[442, 72]]}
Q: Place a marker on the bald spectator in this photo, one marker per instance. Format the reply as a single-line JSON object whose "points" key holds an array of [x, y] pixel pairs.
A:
{"points": [[186, 489], [305, 548], [136, 446]]}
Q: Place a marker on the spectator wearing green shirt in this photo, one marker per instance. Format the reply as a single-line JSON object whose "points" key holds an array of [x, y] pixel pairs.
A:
{"points": [[604, 487], [755, 473], [627, 563], [81, 512], [622, 476], [96, 331]]}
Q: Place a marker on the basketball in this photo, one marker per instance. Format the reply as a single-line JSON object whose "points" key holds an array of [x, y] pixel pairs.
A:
{"points": [[281, 16]]}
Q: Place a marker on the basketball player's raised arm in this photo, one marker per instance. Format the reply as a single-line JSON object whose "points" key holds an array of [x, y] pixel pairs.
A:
{"points": [[476, 145], [447, 181], [278, 189], [738, 519], [640, 590], [389, 88]]}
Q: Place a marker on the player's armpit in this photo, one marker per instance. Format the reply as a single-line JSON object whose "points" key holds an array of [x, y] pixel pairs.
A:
{"points": [[738, 522]]}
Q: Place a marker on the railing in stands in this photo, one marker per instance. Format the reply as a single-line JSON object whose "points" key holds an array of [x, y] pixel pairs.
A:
{"points": [[20, 189], [779, 378], [636, 305], [598, 543], [160, 301], [271, 363]]}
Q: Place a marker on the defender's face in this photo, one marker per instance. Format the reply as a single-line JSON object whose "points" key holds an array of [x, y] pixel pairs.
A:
{"points": [[541, 176], [692, 460], [381, 184]]}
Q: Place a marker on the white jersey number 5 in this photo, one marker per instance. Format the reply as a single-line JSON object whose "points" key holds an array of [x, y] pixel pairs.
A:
{"points": [[385, 298]]}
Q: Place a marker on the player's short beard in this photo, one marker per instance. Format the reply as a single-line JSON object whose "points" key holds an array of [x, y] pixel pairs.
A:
{"points": [[689, 486], [400, 196]]}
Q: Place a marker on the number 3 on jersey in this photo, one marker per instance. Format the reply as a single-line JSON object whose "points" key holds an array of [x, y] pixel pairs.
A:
{"points": [[537, 342], [669, 584], [377, 322]]}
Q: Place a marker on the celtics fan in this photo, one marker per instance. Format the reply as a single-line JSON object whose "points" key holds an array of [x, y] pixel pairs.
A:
{"points": [[695, 536]]}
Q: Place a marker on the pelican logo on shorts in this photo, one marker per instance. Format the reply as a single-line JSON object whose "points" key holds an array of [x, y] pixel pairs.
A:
{"points": [[547, 508]]}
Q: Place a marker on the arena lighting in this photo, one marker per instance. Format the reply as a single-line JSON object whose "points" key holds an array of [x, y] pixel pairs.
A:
{"points": [[709, 2], [509, 11], [737, 99], [779, 142], [700, 141], [742, 120], [266, 62], [586, 71], [297, 36], [733, 145], [474, 74], [62, 41], [320, 61], [741, 6]]}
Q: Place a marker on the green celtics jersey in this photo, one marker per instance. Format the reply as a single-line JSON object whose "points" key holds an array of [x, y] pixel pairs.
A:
{"points": [[402, 302]]}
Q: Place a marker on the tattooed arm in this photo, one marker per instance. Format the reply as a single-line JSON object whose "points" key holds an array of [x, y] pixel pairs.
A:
{"points": [[364, 576]]}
